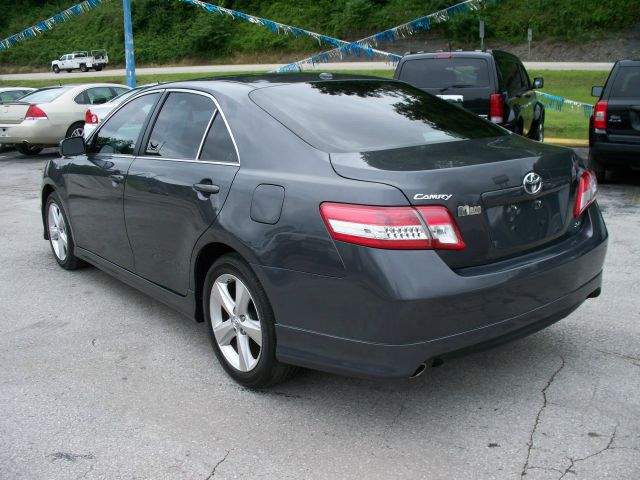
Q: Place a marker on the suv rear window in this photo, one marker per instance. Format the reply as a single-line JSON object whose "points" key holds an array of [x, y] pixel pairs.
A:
{"points": [[627, 83], [367, 115], [446, 72]]}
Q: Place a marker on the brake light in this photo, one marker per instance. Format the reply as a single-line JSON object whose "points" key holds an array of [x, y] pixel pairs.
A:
{"points": [[396, 228], [600, 115], [90, 118], [444, 55], [496, 108], [34, 112], [587, 192]]}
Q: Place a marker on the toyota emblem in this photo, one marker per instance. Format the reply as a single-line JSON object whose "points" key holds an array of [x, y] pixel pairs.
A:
{"points": [[532, 183]]}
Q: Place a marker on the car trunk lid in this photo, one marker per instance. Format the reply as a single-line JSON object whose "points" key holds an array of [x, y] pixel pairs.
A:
{"points": [[13, 112], [480, 181], [623, 119]]}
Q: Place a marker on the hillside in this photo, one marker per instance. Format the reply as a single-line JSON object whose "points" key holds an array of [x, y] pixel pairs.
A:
{"points": [[169, 32]]}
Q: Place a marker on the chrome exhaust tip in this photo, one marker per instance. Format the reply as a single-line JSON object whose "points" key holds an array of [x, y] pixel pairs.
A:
{"points": [[419, 371]]}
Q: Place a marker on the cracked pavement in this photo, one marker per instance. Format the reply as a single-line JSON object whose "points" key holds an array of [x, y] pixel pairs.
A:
{"points": [[99, 381]]}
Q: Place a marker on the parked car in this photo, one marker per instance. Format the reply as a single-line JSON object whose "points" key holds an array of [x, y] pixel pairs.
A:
{"points": [[492, 84], [8, 94], [46, 116], [97, 113], [83, 61], [354, 225], [614, 128]]}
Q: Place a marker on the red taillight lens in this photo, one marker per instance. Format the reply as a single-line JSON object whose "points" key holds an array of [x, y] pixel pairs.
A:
{"points": [[600, 115], [496, 108], [444, 55], [587, 192], [34, 112], [397, 228], [91, 118]]}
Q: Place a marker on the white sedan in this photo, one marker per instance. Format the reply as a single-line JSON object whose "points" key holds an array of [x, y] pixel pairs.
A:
{"points": [[46, 116]]}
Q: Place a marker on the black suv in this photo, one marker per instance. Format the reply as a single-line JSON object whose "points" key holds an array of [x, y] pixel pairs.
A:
{"points": [[614, 128], [491, 83]]}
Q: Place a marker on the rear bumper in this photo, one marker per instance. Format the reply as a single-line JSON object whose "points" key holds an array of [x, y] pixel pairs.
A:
{"points": [[616, 154], [33, 132], [404, 308]]}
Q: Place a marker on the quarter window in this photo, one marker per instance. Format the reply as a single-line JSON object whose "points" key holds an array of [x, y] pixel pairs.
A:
{"points": [[120, 133], [219, 147], [180, 126]]}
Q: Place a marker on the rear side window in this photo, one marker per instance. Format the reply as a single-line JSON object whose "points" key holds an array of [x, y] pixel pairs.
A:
{"points": [[626, 83], [511, 74], [369, 115], [44, 96], [120, 132], [95, 96], [180, 126], [446, 72], [219, 147]]}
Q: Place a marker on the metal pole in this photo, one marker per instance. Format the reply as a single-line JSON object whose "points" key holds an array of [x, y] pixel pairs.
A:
{"points": [[128, 44]]}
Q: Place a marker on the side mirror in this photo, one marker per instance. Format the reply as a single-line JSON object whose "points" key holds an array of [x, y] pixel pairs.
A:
{"points": [[538, 82], [596, 91], [72, 146]]}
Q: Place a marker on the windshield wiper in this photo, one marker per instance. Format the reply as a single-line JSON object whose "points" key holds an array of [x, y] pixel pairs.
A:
{"points": [[455, 86]]}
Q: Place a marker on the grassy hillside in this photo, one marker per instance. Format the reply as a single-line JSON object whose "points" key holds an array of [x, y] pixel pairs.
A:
{"points": [[167, 31]]}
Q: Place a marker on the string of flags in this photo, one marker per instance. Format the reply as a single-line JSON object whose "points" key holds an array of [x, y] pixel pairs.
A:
{"points": [[558, 104], [277, 27], [49, 23], [390, 35]]}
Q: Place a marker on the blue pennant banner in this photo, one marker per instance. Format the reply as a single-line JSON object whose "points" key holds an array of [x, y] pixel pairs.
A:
{"points": [[277, 27], [390, 35], [49, 23], [561, 104]]}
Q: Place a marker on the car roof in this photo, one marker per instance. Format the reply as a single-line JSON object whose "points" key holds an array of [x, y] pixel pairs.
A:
{"points": [[457, 53], [627, 62]]}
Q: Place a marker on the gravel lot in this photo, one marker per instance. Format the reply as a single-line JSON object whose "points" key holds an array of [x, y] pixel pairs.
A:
{"points": [[100, 381]]}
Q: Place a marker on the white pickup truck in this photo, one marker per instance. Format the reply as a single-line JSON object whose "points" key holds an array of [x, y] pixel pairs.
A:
{"points": [[83, 61]]}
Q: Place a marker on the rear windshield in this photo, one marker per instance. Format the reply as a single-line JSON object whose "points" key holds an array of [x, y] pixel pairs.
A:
{"points": [[627, 83], [367, 115], [45, 95], [446, 72]]}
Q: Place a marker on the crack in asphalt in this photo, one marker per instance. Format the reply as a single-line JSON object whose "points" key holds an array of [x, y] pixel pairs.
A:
{"points": [[213, 472], [399, 413], [537, 420], [621, 355], [573, 461]]}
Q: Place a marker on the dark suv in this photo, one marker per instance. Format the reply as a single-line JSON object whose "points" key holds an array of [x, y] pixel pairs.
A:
{"points": [[492, 84], [614, 129]]}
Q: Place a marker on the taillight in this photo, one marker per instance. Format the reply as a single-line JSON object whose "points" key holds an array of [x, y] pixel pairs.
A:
{"points": [[34, 112], [496, 108], [600, 115], [587, 192], [396, 228], [90, 118], [444, 55]]}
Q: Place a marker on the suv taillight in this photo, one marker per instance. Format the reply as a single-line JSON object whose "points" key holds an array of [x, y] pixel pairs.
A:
{"points": [[396, 228], [600, 115], [587, 192], [496, 108], [90, 118], [34, 113]]}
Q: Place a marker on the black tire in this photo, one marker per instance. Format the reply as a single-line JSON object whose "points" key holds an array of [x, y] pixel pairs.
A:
{"points": [[598, 168], [540, 131], [28, 149], [56, 69], [98, 68], [69, 261], [78, 126], [268, 371], [68, 71], [83, 68]]}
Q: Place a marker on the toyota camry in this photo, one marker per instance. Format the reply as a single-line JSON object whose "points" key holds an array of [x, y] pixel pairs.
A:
{"points": [[349, 224]]}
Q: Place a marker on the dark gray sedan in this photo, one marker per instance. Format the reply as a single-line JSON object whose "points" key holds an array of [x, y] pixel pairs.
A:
{"points": [[348, 224]]}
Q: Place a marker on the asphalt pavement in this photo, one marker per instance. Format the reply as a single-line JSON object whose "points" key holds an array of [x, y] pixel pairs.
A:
{"points": [[99, 381], [109, 72]]}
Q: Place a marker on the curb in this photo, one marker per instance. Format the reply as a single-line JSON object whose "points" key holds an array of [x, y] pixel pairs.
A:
{"points": [[568, 142]]}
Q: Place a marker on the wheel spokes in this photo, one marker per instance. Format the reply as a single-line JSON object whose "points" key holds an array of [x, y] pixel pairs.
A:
{"points": [[245, 359], [221, 293], [224, 332], [253, 330]]}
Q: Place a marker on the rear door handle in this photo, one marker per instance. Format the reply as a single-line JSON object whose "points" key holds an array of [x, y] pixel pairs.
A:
{"points": [[206, 188]]}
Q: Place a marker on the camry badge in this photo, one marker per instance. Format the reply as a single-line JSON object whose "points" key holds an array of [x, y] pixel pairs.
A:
{"points": [[432, 196], [465, 210], [532, 183]]}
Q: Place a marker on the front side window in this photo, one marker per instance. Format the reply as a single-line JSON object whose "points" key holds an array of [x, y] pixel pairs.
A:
{"points": [[120, 132], [219, 147], [180, 126]]}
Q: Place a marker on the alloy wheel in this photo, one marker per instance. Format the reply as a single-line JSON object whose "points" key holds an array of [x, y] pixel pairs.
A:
{"points": [[236, 323], [77, 132], [58, 235]]}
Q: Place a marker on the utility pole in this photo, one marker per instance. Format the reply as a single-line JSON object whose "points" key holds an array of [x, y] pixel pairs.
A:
{"points": [[128, 44]]}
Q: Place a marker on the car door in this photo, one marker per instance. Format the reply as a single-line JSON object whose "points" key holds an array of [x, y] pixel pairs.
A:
{"points": [[512, 83], [95, 183], [528, 98], [177, 185]]}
